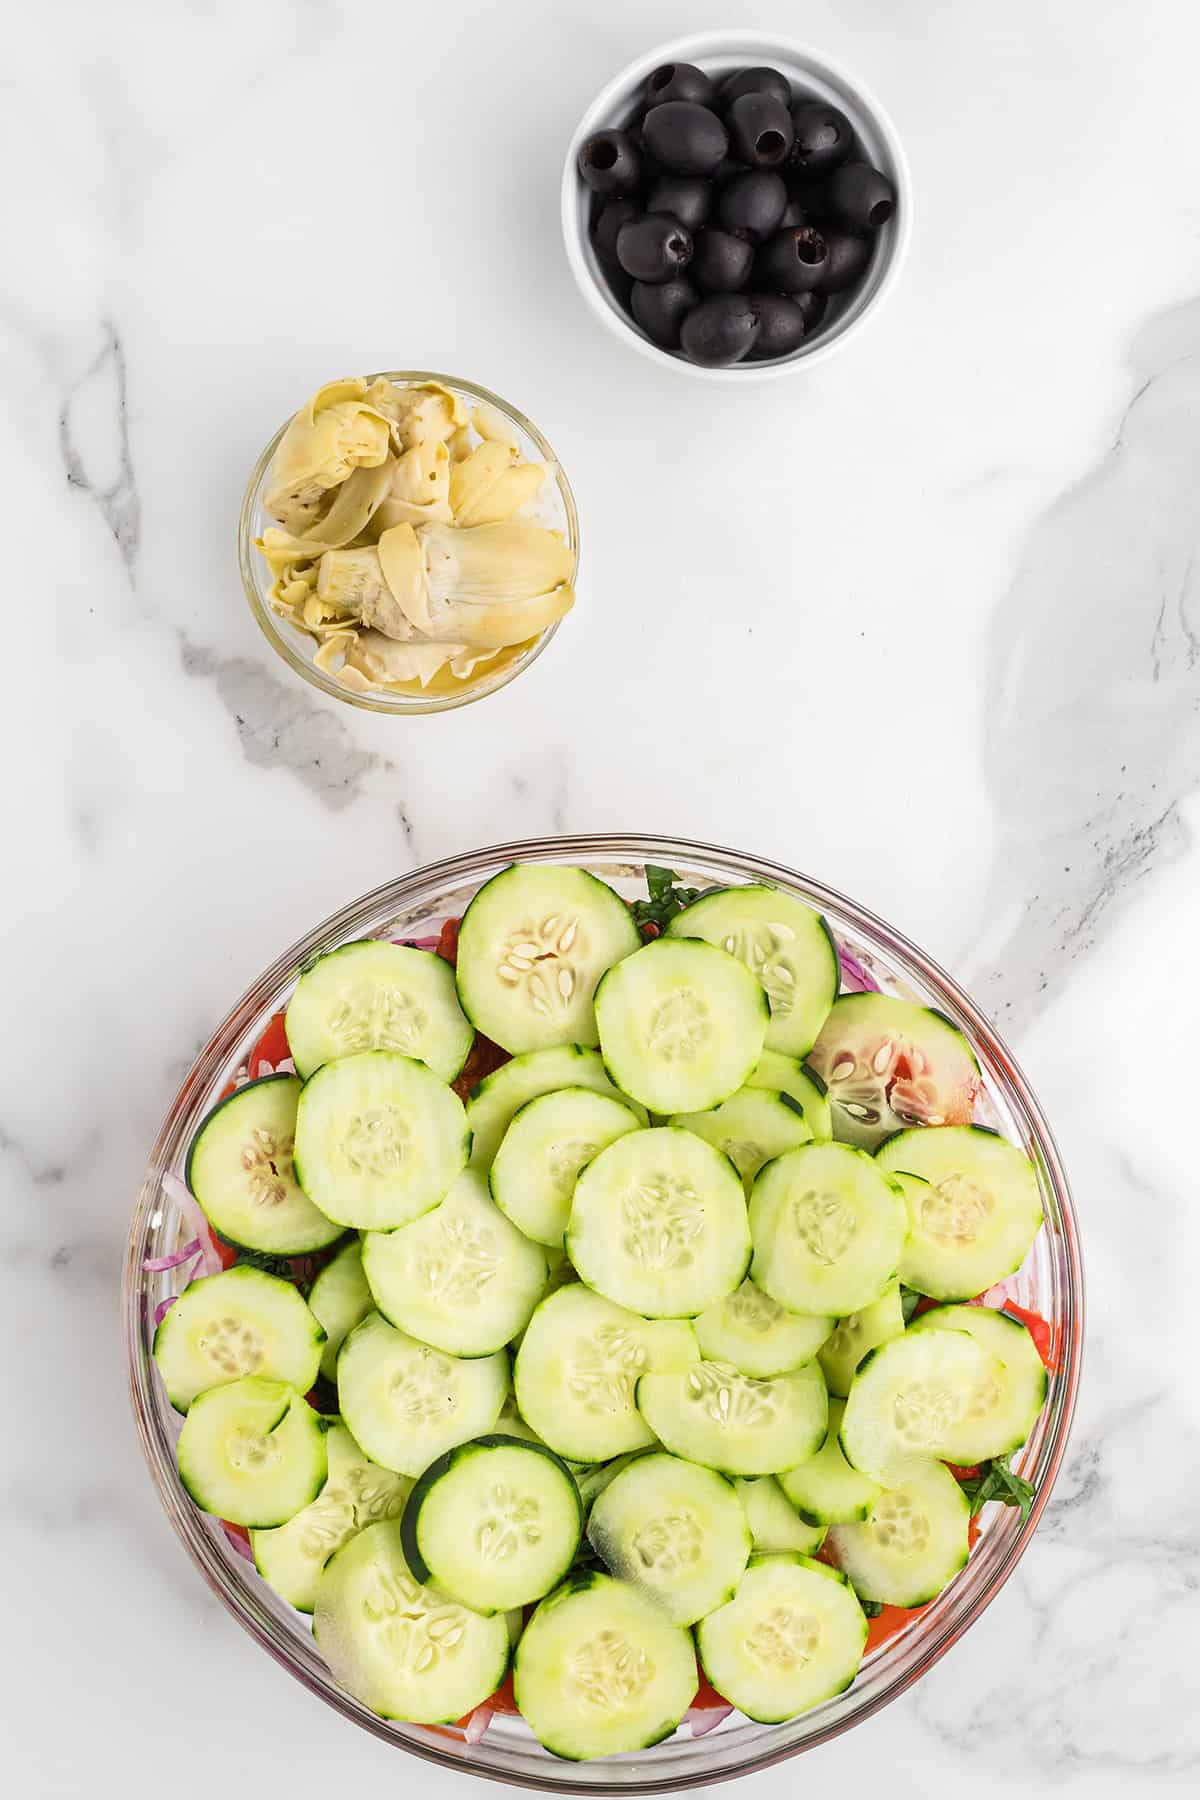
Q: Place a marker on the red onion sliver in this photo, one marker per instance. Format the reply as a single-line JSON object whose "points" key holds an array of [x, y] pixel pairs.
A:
{"points": [[705, 1719], [478, 1723], [164, 1307], [239, 1543], [155, 1265], [208, 1263], [854, 976], [421, 943]]}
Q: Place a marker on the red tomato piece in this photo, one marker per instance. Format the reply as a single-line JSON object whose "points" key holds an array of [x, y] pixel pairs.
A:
{"points": [[272, 1046], [448, 941], [887, 1623], [1040, 1330], [707, 1698]]}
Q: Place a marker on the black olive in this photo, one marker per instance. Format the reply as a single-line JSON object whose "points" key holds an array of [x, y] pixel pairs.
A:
{"points": [[812, 305], [612, 215], [719, 331], [754, 81], [760, 130], [654, 248], [752, 204], [659, 307], [782, 326], [609, 162], [687, 198], [824, 137], [679, 81], [849, 255], [861, 196], [791, 261], [722, 262], [684, 137], [810, 196]]}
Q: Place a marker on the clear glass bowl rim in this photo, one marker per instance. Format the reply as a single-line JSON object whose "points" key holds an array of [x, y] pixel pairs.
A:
{"points": [[251, 565], [929, 1638]]}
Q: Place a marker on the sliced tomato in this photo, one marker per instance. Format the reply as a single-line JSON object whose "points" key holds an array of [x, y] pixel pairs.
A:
{"points": [[707, 1698], [887, 1623], [1040, 1330], [225, 1252], [447, 947], [272, 1047], [503, 1700], [483, 1059]]}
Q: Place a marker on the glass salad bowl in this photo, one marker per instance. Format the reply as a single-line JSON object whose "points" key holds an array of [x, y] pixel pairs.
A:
{"points": [[554, 508], [1050, 1282]]}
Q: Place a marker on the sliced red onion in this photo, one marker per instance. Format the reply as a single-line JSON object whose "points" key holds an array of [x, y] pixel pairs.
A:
{"points": [[421, 943], [704, 1719], [239, 1543], [855, 978], [208, 1262], [164, 1307], [998, 1294], [156, 1264], [478, 1723]]}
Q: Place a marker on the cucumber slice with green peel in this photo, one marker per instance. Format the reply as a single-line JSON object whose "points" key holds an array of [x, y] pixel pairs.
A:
{"points": [[498, 1098], [857, 1334], [974, 1222], [757, 1335], [714, 1415], [403, 1650], [379, 1140], [681, 1025], [595, 1477], [532, 946], [828, 1228], [494, 1523], [888, 1064], [658, 1224], [1004, 1420], [462, 1278], [252, 1452], [675, 1530], [792, 1636], [340, 1299], [240, 1168], [787, 947], [406, 1402], [600, 1669], [925, 1395], [825, 1490], [548, 1142], [577, 1370], [912, 1542], [774, 1522], [378, 996], [751, 1128], [801, 1083], [357, 1493], [241, 1322]]}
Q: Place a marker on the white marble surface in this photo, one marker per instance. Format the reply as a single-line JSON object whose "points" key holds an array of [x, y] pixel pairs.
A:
{"points": [[925, 623]]}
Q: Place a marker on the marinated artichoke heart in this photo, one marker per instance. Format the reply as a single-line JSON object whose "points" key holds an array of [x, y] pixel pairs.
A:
{"points": [[400, 547]]}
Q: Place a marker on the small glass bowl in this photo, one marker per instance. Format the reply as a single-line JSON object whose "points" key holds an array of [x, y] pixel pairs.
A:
{"points": [[1050, 1281], [555, 508]]}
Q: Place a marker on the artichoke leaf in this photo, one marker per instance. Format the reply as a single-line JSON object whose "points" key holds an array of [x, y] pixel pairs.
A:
{"points": [[496, 624], [491, 424], [404, 572], [337, 431], [513, 560], [382, 659], [420, 410], [355, 504], [419, 487], [492, 484]]}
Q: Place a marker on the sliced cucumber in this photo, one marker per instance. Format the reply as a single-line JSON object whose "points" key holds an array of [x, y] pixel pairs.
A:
{"points": [[403, 1650], [241, 1322], [593, 1478], [658, 1224], [462, 1278], [532, 946], [828, 1230], [379, 1139], [912, 1542], [494, 1523], [549, 1140], [675, 1530], [378, 996], [1005, 1419], [713, 1415], [926, 1394], [406, 1402], [825, 1490], [340, 1299], [252, 1452], [757, 1335], [681, 1025], [601, 1669], [792, 1636], [774, 1522], [974, 1222], [752, 1127], [787, 947], [578, 1367], [240, 1168], [496, 1101], [357, 1493], [889, 1063], [858, 1333], [801, 1083]]}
